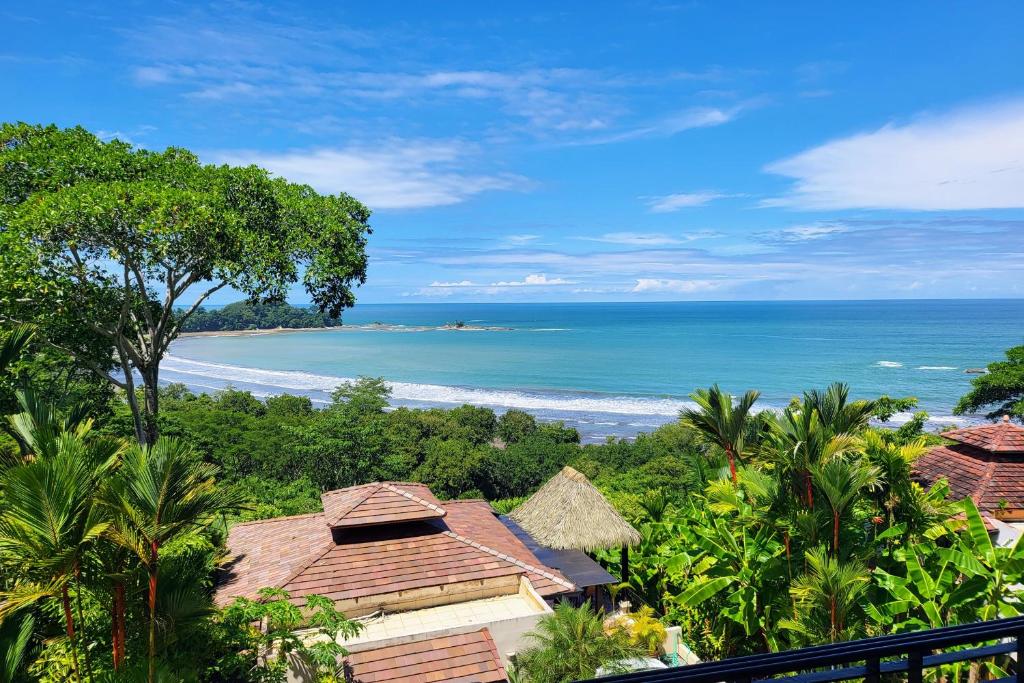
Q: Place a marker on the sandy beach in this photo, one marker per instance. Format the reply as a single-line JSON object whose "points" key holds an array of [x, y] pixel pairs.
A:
{"points": [[381, 327]]}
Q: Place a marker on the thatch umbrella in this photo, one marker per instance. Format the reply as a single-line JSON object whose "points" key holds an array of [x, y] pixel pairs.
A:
{"points": [[568, 513]]}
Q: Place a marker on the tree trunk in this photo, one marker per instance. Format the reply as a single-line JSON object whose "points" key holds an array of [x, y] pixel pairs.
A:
{"points": [[114, 650], [133, 400], [832, 617], [624, 561], [835, 533], [150, 379], [69, 624], [153, 556], [81, 619], [117, 625], [732, 465]]}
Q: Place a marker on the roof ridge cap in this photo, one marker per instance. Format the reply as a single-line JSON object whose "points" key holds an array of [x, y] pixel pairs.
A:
{"points": [[313, 557], [512, 560], [983, 484], [414, 498], [371, 489]]}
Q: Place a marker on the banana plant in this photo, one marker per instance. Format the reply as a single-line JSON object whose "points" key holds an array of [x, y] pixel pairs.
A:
{"points": [[742, 573]]}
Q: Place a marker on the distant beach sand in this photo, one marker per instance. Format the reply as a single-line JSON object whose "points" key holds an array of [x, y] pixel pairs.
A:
{"points": [[382, 327]]}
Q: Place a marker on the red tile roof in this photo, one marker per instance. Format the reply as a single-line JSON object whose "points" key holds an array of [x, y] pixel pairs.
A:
{"points": [[303, 556], [993, 480], [380, 503], [1001, 437], [475, 519], [463, 658], [265, 553]]}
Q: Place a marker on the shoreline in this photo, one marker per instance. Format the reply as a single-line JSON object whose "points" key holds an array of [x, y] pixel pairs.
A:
{"points": [[378, 327], [254, 333]]}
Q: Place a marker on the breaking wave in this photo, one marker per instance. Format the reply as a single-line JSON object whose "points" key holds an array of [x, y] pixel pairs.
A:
{"points": [[888, 364], [183, 369]]}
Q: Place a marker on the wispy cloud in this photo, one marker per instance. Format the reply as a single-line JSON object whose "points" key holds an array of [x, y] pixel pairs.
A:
{"points": [[254, 54], [668, 125], [649, 239], [662, 285], [966, 159], [674, 202], [802, 233], [399, 174], [534, 280], [516, 240]]}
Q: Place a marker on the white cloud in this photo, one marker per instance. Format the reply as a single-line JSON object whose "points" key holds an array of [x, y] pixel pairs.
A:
{"points": [[671, 124], [674, 286], [803, 233], [540, 280], [533, 280], [400, 174], [520, 239], [966, 159], [649, 239], [674, 202], [460, 283]]}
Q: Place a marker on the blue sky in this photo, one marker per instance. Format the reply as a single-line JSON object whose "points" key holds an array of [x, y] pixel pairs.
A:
{"points": [[630, 151]]}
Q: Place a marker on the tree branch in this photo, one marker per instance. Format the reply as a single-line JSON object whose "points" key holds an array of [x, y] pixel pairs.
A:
{"points": [[192, 309]]}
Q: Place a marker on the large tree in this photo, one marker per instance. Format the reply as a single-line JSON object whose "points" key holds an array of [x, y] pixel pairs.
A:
{"points": [[1001, 388], [100, 239]]}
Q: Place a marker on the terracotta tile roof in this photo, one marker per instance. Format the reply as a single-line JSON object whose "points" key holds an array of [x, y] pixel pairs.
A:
{"points": [[463, 658], [475, 519], [380, 560], [992, 480], [379, 503], [1001, 437], [304, 556], [265, 553]]}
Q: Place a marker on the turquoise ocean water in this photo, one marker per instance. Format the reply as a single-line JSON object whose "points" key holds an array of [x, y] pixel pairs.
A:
{"points": [[616, 369]]}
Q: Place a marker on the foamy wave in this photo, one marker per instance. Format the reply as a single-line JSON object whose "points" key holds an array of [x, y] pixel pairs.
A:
{"points": [[888, 364], [936, 367], [431, 393], [932, 421]]}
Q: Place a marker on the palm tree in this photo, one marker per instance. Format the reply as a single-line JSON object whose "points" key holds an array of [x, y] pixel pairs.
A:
{"points": [[723, 423], [14, 344], [838, 414], [571, 645], [842, 480], [828, 599], [162, 491], [15, 635], [51, 519], [797, 441], [894, 461]]}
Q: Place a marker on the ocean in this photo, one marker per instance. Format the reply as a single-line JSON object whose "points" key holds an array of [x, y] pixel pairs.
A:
{"points": [[616, 369]]}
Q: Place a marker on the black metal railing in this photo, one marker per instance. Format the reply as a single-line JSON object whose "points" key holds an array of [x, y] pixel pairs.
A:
{"points": [[869, 659]]}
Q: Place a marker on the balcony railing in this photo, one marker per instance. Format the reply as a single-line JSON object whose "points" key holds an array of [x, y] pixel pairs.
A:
{"points": [[908, 654]]}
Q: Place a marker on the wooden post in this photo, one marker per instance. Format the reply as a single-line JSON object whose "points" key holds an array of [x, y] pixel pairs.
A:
{"points": [[625, 564]]}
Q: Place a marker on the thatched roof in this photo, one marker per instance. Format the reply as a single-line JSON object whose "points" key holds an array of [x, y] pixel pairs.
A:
{"points": [[569, 513]]}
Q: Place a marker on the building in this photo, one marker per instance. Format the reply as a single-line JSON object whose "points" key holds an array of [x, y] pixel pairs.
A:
{"points": [[446, 591], [985, 464]]}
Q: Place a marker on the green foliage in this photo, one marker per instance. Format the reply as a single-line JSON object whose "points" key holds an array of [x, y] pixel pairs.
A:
{"points": [[571, 645], [246, 315], [93, 229], [450, 467], [1001, 388], [885, 407], [723, 423], [514, 425], [263, 655]]}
